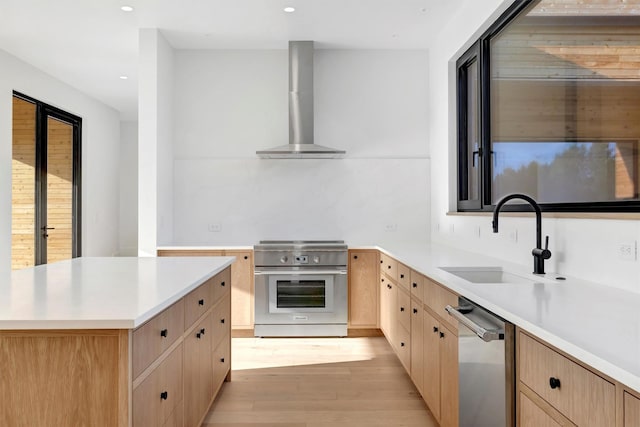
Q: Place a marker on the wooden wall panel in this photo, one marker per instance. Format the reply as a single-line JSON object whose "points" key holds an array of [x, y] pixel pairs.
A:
{"points": [[23, 184], [59, 190]]}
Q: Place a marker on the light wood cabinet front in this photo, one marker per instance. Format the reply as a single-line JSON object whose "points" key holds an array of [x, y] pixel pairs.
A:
{"points": [[388, 304], [363, 288], [579, 394], [533, 416], [448, 378], [417, 339], [417, 286], [431, 356], [242, 289], [404, 276], [198, 371], [389, 266], [631, 410]]}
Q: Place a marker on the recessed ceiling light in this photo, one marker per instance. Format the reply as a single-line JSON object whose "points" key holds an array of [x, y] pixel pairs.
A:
{"points": [[126, 8], [124, 77], [289, 9]]}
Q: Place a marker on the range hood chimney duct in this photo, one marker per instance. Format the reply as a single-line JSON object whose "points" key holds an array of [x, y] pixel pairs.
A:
{"points": [[301, 144]]}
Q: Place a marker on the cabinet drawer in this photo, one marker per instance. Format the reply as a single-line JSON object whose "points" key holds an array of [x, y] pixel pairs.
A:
{"points": [[159, 396], [582, 396], [154, 337], [197, 302], [221, 320], [404, 276], [404, 309], [631, 410], [221, 283], [437, 298], [403, 347], [417, 285], [389, 266], [221, 361]]}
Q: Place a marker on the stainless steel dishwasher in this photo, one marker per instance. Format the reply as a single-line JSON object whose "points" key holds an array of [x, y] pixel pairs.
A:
{"points": [[486, 356]]}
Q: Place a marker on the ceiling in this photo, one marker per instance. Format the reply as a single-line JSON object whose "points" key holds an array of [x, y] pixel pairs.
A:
{"points": [[89, 44]]}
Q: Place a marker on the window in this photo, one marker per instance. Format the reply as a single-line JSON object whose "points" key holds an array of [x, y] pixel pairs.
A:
{"points": [[558, 82]]}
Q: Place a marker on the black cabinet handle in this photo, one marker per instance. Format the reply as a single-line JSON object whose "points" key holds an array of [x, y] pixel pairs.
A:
{"points": [[382, 280], [355, 257], [401, 308], [554, 382], [415, 285], [164, 395], [441, 334], [221, 283], [389, 286], [163, 333], [201, 302], [415, 311], [202, 331], [401, 344], [402, 276], [222, 359], [435, 329], [221, 320], [246, 257], [381, 262], [389, 267]]}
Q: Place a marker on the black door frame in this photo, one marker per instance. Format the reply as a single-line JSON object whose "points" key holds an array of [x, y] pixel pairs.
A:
{"points": [[43, 111]]}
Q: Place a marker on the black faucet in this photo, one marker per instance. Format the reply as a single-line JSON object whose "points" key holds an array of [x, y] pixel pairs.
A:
{"points": [[539, 254]]}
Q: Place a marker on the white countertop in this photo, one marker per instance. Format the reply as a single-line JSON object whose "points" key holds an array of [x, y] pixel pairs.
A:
{"points": [[100, 293], [596, 324], [204, 248]]}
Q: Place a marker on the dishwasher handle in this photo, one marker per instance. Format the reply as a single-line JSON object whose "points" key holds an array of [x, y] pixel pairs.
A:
{"points": [[485, 334]]}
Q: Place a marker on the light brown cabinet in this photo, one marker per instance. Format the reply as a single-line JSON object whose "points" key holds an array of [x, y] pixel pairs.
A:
{"points": [[417, 347], [241, 277], [388, 303], [580, 395], [403, 327], [440, 361], [631, 410], [363, 288]]}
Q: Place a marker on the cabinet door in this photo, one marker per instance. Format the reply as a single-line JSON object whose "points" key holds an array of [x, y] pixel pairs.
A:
{"points": [[417, 328], [448, 378], [631, 411], [531, 415], [198, 372], [242, 289], [385, 305], [431, 363], [363, 291]]}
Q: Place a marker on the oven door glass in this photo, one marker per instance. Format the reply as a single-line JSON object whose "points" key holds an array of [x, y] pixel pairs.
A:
{"points": [[301, 293]]}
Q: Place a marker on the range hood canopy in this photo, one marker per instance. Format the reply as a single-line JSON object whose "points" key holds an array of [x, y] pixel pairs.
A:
{"points": [[300, 144]]}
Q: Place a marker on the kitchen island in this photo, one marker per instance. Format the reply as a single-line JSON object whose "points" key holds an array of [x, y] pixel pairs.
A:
{"points": [[114, 341]]}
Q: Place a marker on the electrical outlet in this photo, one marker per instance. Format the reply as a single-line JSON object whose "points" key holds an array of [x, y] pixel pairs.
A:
{"points": [[391, 227], [628, 251], [215, 227]]}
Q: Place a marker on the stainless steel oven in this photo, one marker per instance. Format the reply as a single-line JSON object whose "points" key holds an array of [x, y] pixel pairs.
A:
{"points": [[300, 288]]}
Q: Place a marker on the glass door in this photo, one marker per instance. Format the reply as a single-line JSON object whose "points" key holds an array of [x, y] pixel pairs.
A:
{"points": [[45, 184]]}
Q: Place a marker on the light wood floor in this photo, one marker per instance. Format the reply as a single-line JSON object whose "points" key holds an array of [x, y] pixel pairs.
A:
{"points": [[317, 382]]}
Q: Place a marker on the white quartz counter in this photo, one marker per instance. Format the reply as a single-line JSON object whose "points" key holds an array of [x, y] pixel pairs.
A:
{"points": [[599, 325], [100, 293]]}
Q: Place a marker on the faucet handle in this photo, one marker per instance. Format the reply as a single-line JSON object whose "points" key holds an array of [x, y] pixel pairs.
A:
{"points": [[546, 253]]}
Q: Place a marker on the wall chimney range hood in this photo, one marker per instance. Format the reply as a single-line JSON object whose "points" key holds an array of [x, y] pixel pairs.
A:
{"points": [[300, 144]]}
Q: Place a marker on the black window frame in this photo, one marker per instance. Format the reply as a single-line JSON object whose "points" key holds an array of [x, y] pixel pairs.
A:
{"points": [[482, 50]]}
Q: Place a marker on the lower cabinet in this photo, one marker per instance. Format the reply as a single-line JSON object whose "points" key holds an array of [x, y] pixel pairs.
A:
{"points": [[440, 368], [417, 347], [363, 289], [177, 388], [631, 410], [388, 302]]}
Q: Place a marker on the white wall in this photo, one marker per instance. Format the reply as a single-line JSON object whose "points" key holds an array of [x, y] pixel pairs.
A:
{"points": [[128, 174], [155, 143], [100, 146], [228, 104], [581, 247]]}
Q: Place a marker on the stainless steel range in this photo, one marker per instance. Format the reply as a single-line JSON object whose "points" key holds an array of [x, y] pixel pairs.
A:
{"points": [[301, 288]]}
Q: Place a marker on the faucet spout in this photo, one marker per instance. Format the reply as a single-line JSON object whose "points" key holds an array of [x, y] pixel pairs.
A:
{"points": [[539, 253]]}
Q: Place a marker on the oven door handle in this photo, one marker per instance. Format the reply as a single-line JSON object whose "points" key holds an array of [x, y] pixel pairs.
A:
{"points": [[299, 272]]}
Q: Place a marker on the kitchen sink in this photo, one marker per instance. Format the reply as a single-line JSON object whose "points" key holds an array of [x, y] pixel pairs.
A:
{"points": [[487, 275]]}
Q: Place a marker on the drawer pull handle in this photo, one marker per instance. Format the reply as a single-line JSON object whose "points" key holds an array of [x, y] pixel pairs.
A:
{"points": [[202, 331], [435, 329], [402, 276], [389, 286], [401, 309], [381, 262], [441, 334], [246, 257], [355, 257], [415, 285], [222, 359], [389, 267], [163, 333], [201, 302], [415, 311], [221, 283], [382, 280], [401, 344], [554, 382], [221, 320], [164, 395]]}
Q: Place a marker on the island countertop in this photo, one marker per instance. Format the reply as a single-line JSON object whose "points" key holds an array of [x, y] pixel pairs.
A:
{"points": [[101, 292]]}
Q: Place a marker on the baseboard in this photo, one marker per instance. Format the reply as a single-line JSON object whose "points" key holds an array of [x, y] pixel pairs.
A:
{"points": [[367, 332]]}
